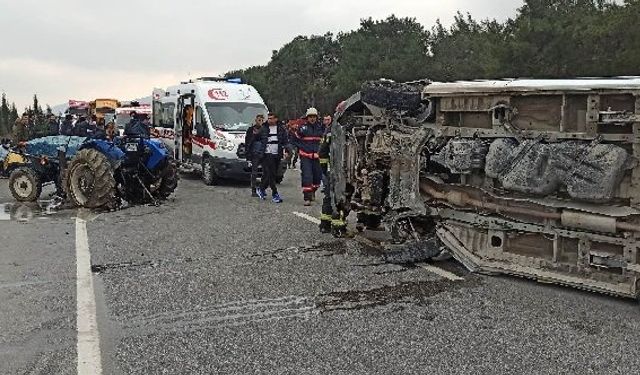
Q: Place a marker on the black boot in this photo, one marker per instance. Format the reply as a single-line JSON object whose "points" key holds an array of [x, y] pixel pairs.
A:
{"points": [[307, 198], [325, 226]]}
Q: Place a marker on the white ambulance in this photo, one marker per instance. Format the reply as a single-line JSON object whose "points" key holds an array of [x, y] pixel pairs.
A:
{"points": [[204, 122]]}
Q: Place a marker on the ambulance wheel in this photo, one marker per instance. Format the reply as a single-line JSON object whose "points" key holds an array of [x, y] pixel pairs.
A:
{"points": [[209, 175], [25, 185], [89, 180]]}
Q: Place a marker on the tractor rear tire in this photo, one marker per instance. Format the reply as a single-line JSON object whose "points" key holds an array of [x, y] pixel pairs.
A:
{"points": [[169, 182], [25, 184], [89, 180]]}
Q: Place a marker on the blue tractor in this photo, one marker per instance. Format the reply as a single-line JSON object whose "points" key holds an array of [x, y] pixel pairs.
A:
{"points": [[134, 168]]}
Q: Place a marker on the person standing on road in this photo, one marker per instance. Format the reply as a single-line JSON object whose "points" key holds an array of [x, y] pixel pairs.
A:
{"points": [[93, 126], [82, 128], [307, 140], [325, 145], [330, 221], [21, 130], [250, 138], [53, 125], [292, 160], [110, 131], [67, 126], [273, 141], [138, 126]]}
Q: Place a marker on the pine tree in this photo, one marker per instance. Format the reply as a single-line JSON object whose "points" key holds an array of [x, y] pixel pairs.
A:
{"points": [[13, 116], [37, 110], [5, 127]]}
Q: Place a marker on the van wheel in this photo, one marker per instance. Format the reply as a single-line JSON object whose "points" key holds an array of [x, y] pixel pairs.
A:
{"points": [[208, 172]]}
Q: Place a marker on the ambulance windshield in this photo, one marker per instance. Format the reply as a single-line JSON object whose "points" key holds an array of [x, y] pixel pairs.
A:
{"points": [[234, 116]]}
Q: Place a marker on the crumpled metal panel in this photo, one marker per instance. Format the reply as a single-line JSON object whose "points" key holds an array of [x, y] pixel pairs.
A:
{"points": [[404, 175], [462, 155], [590, 172]]}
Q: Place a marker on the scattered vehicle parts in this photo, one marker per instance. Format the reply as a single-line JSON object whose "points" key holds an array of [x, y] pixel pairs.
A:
{"points": [[532, 178]]}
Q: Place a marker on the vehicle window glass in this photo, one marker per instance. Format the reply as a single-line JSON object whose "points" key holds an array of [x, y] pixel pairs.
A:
{"points": [[168, 110], [122, 119], [157, 114], [234, 116], [201, 123]]}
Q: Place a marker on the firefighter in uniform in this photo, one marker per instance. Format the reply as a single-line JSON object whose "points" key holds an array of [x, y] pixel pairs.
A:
{"points": [[307, 140], [330, 221]]}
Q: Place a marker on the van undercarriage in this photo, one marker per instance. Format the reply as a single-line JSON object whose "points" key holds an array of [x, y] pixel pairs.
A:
{"points": [[538, 179]]}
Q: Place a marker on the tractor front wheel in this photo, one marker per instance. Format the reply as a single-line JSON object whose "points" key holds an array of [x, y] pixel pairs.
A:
{"points": [[25, 185]]}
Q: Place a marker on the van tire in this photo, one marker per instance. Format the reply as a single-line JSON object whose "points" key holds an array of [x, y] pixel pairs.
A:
{"points": [[208, 172]]}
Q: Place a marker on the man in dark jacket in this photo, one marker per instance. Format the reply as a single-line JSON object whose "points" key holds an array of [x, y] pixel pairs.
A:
{"points": [[82, 128], [138, 126], [307, 140], [325, 147], [53, 125], [325, 150], [330, 220], [250, 138], [273, 141], [67, 125], [22, 129]]}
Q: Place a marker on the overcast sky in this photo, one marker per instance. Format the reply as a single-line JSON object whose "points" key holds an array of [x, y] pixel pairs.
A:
{"points": [[83, 49]]}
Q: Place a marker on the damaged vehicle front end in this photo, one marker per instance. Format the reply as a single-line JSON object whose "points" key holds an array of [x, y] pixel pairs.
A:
{"points": [[532, 178]]}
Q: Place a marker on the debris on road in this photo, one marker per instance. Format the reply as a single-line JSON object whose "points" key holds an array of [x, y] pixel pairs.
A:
{"points": [[533, 178]]}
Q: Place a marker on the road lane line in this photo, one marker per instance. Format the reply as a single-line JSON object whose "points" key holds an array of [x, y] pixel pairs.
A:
{"points": [[4, 212], [308, 218], [440, 272], [89, 361]]}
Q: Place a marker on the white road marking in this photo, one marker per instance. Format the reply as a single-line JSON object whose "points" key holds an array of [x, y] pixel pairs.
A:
{"points": [[440, 272], [4, 214], [308, 218], [89, 361]]}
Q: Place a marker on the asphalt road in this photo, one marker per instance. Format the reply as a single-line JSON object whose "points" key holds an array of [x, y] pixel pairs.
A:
{"points": [[215, 282]]}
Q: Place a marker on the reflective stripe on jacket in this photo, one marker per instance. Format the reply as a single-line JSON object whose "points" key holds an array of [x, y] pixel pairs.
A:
{"points": [[308, 137]]}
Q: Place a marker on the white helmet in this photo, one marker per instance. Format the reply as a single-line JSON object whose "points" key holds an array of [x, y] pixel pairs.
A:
{"points": [[312, 112]]}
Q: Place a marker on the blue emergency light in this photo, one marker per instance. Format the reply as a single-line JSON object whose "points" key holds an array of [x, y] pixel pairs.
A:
{"points": [[234, 80]]}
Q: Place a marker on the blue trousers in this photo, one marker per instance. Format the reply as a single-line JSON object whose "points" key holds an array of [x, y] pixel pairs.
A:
{"points": [[311, 175]]}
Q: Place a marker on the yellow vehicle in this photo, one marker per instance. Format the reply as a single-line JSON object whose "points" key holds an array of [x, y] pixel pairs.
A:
{"points": [[11, 162], [101, 107]]}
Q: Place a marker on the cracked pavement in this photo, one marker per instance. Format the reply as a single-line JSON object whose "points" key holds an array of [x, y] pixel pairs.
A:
{"points": [[215, 282]]}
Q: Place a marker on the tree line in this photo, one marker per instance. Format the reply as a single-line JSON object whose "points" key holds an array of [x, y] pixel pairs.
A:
{"points": [[9, 114], [545, 39]]}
